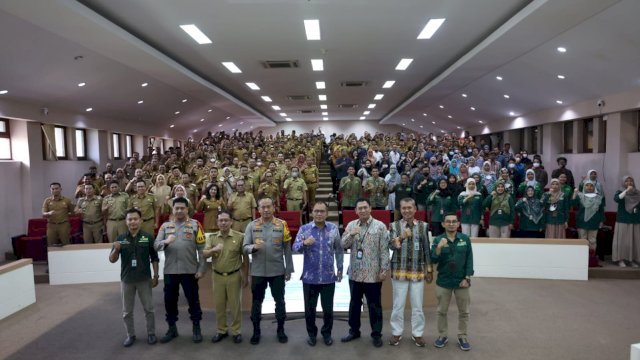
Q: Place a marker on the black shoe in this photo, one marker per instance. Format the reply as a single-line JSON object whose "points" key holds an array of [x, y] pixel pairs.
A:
{"points": [[328, 340], [350, 337], [151, 339], [311, 340], [129, 341], [197, 333], [237, 339], [218, 337], [282, 337], [255, 339], [377, 341], [172, 333]]}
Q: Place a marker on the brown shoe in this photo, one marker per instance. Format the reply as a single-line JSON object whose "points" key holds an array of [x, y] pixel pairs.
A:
{"points": [[419, 341], [395, 340]]}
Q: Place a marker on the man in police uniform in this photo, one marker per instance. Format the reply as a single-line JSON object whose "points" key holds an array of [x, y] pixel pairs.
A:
{"points": [[147, 205], [138, 255], [230, 274], [182, 241], [56, 209], [311, 175], [114, 208], [296, 191], [90, 209], [267, 240], [242, 205]]}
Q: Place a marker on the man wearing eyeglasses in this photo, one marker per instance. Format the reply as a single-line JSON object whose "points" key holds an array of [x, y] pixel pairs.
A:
{"points": [[452, 252], [319, 241]]}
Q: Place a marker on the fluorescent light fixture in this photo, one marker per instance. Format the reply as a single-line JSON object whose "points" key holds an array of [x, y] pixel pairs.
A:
{"points": [[442, 131], [325, 118], [412, 120], [220, 125], [499, 78], [371, 106], [283, 114], [421, 126], [325, 113], [317, 64], [266, 98], [404, 64], [320, 85], [562, 49], [450, 117], [171, 125], [362, 117], [472, 108], [228, 117], [144, 84], [81, 84], [433, 122], [378, 97], [89, 109], [559, 102], [366, 112], [441, 106], [432, 26], [2, 92], [388, 84], [512, 113], [459, 127], [201, 120], [323, 107], [561, 77], [481, 122], [288, 119], [322, 97], [195, 131], [403, 124], [312, 28], [464, 95], [231, 67], [275, 107], [424, 114], [253, 86], [140, 101], [196, 34], [210, 110], [177, 112], [184, 100], [506, 96]]}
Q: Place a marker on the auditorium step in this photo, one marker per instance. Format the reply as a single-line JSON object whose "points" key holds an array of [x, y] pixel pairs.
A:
{"points": [[609, 270]]}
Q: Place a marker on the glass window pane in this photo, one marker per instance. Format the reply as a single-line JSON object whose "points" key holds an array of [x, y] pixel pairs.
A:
{"points": [[80, 144], [5, 148], [128, 145], [116, 145], [3, 126], [60, 142]]}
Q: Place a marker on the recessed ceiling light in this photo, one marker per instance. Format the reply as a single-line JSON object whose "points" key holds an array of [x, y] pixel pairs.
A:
{"points": [[506, 96], [561, 77], [220, 125], [231, 67], [432, 26], [322, 97], [317, 64], [323, 107], [140, 101], [433, 122], [266, 98], [228, 117], [201, 120], [196, 34], [403, 124], [442, 131], [312, 29], [242, 123], [325, 113], [499, 78], [177, 112], [362, 117], [288, 119], [366, 112], [233, 129], [371, 106], [195, 131], [253, 86], [424, 114], [378, 97], [421, 126], [82, 84], [450, 117], [388, 84], [184, 100], [559, 102], [88, 109], [171, 125], [210, 110], [144, 84], [404, 64], [441, 106], [562, 49], [413, 120], [512, 113], [275, 107], [320, 85], [283, 114], [481, 122], [459, 127], [472, 108], [325, 118], [464, 95]]}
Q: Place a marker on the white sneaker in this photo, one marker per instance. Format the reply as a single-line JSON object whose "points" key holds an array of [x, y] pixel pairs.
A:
{"points": [[621, 263], [634, 265]]}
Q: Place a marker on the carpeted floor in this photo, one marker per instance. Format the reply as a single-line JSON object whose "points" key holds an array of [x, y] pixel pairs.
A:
{"points": [[510, 319]]}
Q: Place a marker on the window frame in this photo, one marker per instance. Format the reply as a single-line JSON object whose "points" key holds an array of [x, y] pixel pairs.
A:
{"points": [[83, 145], [128, 146], [65, 155], [6, 134], [116, 150]]}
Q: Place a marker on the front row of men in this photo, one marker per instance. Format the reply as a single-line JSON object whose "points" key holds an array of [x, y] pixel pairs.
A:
{"points": [[267, 239]]}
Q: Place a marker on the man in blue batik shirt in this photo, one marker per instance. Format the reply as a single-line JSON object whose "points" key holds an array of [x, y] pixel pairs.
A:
{"points": [[319, 241]]}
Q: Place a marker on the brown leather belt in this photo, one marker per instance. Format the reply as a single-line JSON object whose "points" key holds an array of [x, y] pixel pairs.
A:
{"points": [[91, 222], [226, 273]]}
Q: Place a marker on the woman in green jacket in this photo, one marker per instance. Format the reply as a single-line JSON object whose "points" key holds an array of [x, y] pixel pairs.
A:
{"points": [[530, 180], [626, 236], [590, 214], [531, 210], [501, 212], [470, 202], [442, 202], [557, 211]]}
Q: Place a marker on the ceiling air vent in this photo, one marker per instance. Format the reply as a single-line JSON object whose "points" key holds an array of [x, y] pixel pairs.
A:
{"points": [[280, 64], [306, 111], [348, 106], [353, 83], [299, 97]]}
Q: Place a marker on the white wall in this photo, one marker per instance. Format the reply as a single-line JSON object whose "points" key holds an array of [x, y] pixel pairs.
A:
{"points": [[12, 204], [329, 127]]}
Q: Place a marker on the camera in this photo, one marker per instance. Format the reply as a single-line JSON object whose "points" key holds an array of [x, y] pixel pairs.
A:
{"points": [[600, 103]]}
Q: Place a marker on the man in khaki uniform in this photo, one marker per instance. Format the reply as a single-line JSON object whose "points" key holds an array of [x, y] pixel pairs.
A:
{"points": [[114, 208], [192, 190], [90, 209], [131, 189], [269, 189], [242, 205], [377, 189], [147, 205], [199, 172], [296, 191], [249, 184], [230, 274], [56, 209], [311, 175]]}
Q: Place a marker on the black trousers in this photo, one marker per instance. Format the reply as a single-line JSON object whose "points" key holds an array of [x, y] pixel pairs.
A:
{"points": [[311, 293], [189, 284], [373, 293], [258, 289]]}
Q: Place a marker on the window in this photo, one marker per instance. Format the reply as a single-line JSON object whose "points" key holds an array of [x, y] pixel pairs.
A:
{"points": [[115, 140], [60, 134], [535, 133], [5, 140], [81, 144], [568, 136], [128, 145], [587, 135]]}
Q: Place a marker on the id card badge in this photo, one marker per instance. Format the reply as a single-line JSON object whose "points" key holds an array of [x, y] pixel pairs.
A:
{"points": [[441, 211], [416, 246], [635, 210], [531, 217], [134, 263], [359, 254], [499, 212]]}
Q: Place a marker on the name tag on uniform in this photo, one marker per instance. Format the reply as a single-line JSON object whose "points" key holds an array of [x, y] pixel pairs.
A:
{"points": [[499, 212], [441, 211], [531, 217], [134, 262], [359, 254], [635, 210], [416, 246]]}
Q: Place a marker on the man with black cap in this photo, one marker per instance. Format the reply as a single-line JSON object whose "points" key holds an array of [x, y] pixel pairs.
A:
{"points": [[562, 163]]}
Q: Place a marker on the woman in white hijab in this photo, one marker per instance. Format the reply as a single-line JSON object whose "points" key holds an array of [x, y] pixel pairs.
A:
{"points": [[626, 236], [391, 180], [470, 202], [590, 214], [592, 176]]}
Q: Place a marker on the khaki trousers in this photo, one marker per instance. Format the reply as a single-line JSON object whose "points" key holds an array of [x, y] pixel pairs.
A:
{"points": [[143, 288], [115, 229], [148, 226], [92, 233], [58, 233], [462, 300], [240, 225], [227, 293], [311, 192], [591, 235]]}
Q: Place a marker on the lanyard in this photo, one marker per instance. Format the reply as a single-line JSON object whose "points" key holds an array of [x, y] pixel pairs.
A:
{"points": [[363, 236]]}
